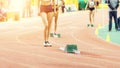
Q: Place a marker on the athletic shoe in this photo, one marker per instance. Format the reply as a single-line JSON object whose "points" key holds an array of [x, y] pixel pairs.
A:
{"points": [[109, 30], [88, 25], [116, 29], [55, 35], [49, 44], [46, 44], [92, 25]]}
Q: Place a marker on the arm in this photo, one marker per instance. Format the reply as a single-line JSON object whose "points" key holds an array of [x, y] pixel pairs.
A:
{"points": [[86, 6], [117, 4], [109, 5], [39, 2], [95, 6], [54, 6], [63, 2]]}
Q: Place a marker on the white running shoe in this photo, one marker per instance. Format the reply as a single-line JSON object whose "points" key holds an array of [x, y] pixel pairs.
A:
{"points": [[47, 44], [55, 35]]}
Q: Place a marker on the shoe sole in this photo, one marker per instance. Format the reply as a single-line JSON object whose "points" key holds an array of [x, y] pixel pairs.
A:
{"points": [[47, 45]]}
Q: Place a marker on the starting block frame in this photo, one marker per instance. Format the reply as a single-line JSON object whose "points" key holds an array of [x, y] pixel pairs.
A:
{"points": [[71, 48]]}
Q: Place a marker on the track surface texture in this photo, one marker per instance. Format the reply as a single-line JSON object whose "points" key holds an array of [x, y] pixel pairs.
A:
{"points": [[21, 43]]}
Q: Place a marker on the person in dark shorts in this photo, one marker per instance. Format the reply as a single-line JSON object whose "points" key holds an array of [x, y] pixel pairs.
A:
{"points": [[46, 13], [63, 6], [91, 7], [58, 4]]}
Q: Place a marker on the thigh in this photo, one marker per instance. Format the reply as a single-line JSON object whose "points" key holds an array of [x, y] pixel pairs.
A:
{"points": [[56, 14], [110, 15], [93, 12], [49, 17], [115, 14], [44, 18]]}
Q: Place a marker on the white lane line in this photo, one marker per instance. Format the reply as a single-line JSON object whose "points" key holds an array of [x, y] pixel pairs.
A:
{"points": [[100, 59], [113, 43], [47, 57], [31, 31], [77, 40], [22, 33], [80, 41], [20, 29]]}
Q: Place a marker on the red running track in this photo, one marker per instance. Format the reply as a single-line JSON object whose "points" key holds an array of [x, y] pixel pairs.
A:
{"points": [[21, 44]]}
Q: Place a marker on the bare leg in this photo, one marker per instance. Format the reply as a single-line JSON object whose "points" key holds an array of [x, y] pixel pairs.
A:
{"points": [[49, 18], [90, 18], [44, 19], [56, 19]]}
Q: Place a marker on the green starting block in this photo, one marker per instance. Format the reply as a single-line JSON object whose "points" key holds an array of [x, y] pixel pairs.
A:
{"points": [[51, 34], [57, 35], [71, 48]]}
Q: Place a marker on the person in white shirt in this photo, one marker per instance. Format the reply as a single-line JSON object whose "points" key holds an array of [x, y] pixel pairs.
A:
{"points": [[113, 5], [91, 5]]}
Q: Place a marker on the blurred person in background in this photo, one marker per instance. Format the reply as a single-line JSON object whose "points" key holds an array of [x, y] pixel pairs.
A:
{"points": [[113, 6], [91, 6], [58, 4], [27, 8]]}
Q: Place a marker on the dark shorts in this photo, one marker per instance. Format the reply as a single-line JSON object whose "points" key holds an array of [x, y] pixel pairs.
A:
{"points": [[46, 8], [91, 9]]}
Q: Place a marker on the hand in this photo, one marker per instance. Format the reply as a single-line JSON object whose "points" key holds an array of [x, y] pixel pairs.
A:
{"points": [[112, 8]]}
